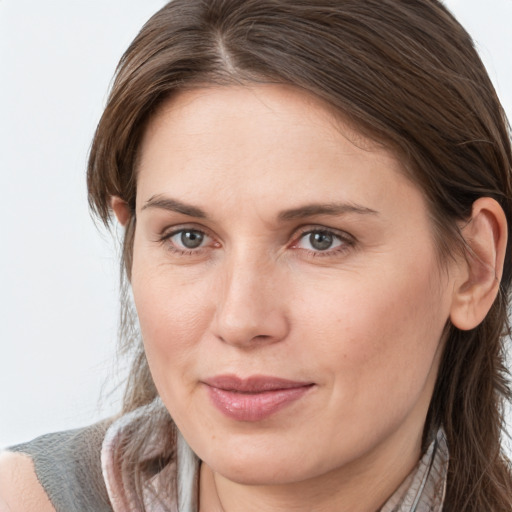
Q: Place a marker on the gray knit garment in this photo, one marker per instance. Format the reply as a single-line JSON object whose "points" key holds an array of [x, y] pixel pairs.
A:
{"points": [[68, 466]]}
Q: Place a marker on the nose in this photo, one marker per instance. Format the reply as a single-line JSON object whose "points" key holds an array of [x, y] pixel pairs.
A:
{"points": [[251, 308]]}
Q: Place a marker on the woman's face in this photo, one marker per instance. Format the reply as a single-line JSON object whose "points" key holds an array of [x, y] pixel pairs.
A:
{"points": [[287, 284]]}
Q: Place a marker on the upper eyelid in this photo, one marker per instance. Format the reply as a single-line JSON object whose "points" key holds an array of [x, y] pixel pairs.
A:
{"points": [[173, 230], [304, 230]]}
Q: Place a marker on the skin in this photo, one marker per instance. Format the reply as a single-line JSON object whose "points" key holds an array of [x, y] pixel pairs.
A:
{"points": [[362, 321], [20, 490]]}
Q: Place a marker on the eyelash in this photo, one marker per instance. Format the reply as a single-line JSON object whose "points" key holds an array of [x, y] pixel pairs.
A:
{"points": [[345, 240], [170, 246]]}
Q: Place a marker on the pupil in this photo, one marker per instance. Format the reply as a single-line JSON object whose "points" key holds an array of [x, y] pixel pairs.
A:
{"points": [[320, 241], [191, 239]]}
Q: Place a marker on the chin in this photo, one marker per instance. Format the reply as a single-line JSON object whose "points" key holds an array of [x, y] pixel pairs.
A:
{"points": [[258, 463], [260, 472]]}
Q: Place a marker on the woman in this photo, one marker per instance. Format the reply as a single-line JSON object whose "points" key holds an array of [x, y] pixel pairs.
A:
{"points": [[316, 201]]}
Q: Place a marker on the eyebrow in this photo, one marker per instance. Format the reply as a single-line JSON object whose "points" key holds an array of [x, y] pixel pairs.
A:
{"points": [[173, 205], [333, 209], [309, 210]]}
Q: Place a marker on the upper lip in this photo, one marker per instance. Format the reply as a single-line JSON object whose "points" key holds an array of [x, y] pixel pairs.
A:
{"points": [[253, 384]]}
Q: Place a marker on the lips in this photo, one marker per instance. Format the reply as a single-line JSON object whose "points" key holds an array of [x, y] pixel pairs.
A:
{"points": [[255, 398]]}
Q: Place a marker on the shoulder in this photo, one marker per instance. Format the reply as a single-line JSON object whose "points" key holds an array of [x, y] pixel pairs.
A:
{"points": [[20, 490], [64, 467]]}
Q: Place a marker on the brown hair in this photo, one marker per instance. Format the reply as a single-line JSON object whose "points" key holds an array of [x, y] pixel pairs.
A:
{"points": [[404, 72]]}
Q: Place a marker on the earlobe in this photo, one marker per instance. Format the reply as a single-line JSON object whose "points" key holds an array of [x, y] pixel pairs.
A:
{"points": [[477, 286], [121, 210]]}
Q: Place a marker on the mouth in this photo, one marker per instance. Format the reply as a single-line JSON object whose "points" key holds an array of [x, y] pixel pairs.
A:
{"points": [[254, 398]]}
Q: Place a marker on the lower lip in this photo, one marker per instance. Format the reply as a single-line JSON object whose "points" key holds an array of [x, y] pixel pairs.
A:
{"points": [[254, 406]]}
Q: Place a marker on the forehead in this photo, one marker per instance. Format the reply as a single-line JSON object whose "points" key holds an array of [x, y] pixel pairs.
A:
{"points": [[260, 141], [198, 106]]}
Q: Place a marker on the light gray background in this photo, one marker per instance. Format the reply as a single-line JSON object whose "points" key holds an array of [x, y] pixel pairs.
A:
{"points": [[58, 274]]}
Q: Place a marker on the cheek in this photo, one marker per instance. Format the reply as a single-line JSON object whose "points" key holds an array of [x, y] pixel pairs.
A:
{"points": [[376, 346], [384, 330], [172, 318]]}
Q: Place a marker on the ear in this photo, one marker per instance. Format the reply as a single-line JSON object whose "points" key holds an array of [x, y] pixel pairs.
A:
{"points": [[478, 284], [121, 210]]}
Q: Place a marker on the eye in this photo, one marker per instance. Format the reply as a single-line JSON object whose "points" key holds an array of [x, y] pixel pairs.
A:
{"points": [[322, 240], [187, 240]]}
